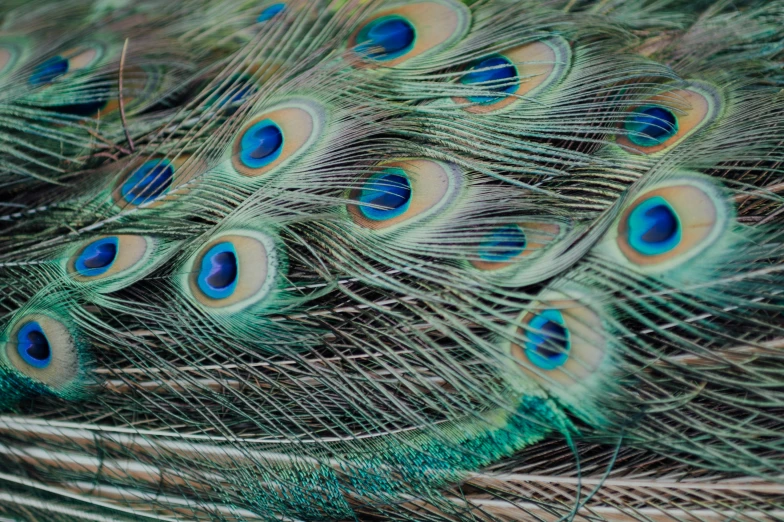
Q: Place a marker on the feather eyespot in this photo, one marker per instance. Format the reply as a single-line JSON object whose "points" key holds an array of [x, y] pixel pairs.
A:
{"points": [[560, 343], [70, 61], [496, 73], [385, 195], [502, 244], [153, 181], [404, 192], [93, 94], [508, 244], [669, 224], [393, 36], [563, 346], [148, 181], [97, 257], [653, 227], [233, 271], [665, 120], [651, 125], [386, 38], [271, 12], [276, 137], [41, 348], [112, 259], [505, 78], [548, 341]]}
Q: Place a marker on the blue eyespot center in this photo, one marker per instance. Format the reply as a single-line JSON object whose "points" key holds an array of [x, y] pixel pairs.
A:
{"points": [[148, 182], [548, 343], [48, 71], [271, 12], [97, 257], [33, 346], [503, 244], [389, 191], [651, 125], [386, 38], [496, 73], [653, 227], [261, 144], [219, 271]]}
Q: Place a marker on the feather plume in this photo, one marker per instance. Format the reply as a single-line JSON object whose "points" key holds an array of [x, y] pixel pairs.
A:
{"points": [[431, 260]]}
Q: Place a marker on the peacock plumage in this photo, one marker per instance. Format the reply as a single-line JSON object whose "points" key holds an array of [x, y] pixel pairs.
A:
{"points": [[432, 260]]}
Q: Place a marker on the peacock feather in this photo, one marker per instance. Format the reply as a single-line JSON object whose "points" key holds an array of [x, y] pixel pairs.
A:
{"points": [[430, 260]]}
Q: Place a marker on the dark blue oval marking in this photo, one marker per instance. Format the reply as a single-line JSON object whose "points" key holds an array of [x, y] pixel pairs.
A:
{"points": [[33, 346], [502, 244], [261, 144], [386, 38], [219, 271], [653, 227], [548, 343], [389, 191], [48, 71], [496, 73], [148, 182], [651, 125], [97, 257]]}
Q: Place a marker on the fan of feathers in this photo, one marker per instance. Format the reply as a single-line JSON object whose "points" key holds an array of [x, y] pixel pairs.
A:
{"points": [[417, 260]]}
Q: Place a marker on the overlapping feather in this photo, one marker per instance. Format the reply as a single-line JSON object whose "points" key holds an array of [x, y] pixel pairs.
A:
{"points": [[315, 274]]}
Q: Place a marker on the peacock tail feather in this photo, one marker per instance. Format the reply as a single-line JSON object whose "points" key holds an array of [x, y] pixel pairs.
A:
{"points": [[373, 260]]}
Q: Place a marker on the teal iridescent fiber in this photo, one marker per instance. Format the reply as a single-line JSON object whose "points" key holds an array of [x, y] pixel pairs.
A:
{"points": [[384, 470], [12, 390]]}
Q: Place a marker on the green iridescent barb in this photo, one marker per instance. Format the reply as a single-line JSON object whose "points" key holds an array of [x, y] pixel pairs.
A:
{"points": [[391, 260]]}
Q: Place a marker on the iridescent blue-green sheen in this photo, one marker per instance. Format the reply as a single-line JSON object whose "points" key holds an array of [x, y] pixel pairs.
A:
{"points": [[548, 343], [651, 125], [389, 191], [654, 227], [271, 12], [502, 244], [495, 73], [386, 38]]}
